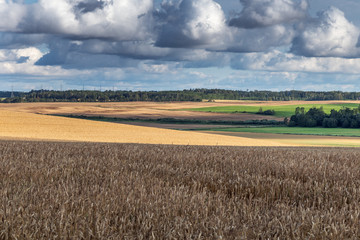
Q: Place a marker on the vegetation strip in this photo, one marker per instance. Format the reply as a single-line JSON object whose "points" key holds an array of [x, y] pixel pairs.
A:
{"points": [[280, 111], [174, 120], [195, 95]]}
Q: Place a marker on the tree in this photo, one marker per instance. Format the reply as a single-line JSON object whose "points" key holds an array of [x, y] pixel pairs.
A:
{"points": [[330, 123]]}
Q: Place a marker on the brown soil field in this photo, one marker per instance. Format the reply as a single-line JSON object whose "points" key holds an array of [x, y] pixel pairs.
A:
{"points": [[302, 140], [141, 110], [22, 125], [131, 191]]}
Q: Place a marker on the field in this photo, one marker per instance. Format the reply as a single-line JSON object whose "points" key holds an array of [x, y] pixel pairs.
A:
{"points": [[147, 129], [130, 191], [296, 140], [67, 178], [29, 126], [280, 110], [347, 132], [137, 110]]}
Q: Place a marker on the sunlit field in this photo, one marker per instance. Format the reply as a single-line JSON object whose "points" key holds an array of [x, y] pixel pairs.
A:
{"points": [[280, 110], [347, 132], [29, 126]]}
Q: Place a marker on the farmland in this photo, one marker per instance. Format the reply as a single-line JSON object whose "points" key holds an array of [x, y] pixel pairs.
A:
{"points": [[29, 126], [347, 132], [141, 122], [73, 178], [294, 139], [131, 191], [280, 110], [135, 110]]}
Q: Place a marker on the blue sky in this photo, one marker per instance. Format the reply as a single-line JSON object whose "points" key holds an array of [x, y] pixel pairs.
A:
{"points": [[180, 44]]}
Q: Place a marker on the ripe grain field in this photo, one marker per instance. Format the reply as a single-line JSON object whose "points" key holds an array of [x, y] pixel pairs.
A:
{"points": [[29, 126], [132, 191]]}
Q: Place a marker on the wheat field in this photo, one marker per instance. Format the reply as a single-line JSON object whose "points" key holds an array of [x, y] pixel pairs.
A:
{"points": [[131, 191], [29, 126]]}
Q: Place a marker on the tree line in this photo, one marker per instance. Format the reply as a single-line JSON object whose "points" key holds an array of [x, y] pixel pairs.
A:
{"points": [[316, 117], [180, 95]]}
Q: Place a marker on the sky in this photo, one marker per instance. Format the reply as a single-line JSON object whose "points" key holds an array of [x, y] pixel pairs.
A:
{"points": [[180, 44]]}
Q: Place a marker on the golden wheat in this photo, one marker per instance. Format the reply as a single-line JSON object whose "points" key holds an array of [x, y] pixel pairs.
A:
{"points": [[124, 191], [18, 125]]}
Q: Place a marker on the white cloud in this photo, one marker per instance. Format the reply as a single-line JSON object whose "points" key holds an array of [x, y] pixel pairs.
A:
{"points": [[21, 61], [11, 14], [155, 68], [279, 61], [117, 19], [331, 35]]}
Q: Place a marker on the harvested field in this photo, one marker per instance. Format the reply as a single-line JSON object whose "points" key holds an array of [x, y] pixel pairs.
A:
{"points": [[301, 140], [178, 126], [156, 110], [141, 110], [282, 103], [280, 110], [20, 125], [129, 191]]}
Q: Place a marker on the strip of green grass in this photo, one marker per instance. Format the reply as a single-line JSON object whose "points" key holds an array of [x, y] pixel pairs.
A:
{"points": [[348, 132], [280, 111]]}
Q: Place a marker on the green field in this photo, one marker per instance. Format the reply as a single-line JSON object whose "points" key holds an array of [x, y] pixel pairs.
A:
{"points": [[348, 132], [280, 111]]}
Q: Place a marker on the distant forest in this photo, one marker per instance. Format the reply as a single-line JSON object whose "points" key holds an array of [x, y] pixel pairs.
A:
{"points": [[195, 95]]}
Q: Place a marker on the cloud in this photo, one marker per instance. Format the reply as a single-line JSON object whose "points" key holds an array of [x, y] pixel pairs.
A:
{"points": [[11, 14], [10, 40], [190, 23], [130, 49], [278, 61], [263, 13], [21, 61], [330, 35], [134, 42], [259, 40], [115, 19]]}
